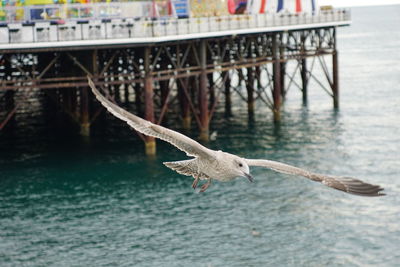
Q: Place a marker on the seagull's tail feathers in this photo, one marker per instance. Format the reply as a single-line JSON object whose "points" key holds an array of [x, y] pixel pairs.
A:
{"points": [[185, 167]]}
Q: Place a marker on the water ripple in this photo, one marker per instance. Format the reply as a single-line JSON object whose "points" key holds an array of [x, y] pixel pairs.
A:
{"points": [[101, 203]]}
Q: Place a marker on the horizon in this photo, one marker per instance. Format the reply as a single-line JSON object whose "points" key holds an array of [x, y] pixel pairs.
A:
{"points": [[357, 3]]}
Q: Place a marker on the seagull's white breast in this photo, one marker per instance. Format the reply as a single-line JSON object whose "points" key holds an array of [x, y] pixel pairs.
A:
{"points": [[218, 168]]}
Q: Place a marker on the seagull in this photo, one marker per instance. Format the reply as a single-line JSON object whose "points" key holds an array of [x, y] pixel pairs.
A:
{"points": [[207, 164]]}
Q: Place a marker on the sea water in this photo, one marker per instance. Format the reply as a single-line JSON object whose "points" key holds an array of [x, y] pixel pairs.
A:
{"points": [[70, 201]]}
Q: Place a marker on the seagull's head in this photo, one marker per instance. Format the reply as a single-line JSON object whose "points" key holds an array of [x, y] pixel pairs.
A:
{"points": [[241, 168]]}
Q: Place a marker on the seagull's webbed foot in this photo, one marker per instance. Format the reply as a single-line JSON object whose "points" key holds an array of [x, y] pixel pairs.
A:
{"points": [[195, 182], [205, 186]]}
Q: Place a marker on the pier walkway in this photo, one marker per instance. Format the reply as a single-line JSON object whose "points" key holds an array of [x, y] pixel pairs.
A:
{"points": [[106, 32]]}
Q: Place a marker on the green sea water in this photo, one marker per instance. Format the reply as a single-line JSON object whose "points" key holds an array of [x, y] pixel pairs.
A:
{"points": [[70, 201]]}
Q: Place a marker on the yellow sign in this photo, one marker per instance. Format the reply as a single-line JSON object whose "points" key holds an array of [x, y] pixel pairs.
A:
{"points": [[206, 8], [38, 2]]}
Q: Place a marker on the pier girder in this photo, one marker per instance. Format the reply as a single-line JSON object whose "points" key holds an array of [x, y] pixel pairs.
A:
{"points": [[260, 68]]}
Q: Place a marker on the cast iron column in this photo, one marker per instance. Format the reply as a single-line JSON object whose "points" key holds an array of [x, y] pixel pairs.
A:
{"points": [[203, 101], [277, 79], [250, 91], [335, 71], [150, 143]]}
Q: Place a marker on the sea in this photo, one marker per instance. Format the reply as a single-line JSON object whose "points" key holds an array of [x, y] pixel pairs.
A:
{"points": [[66, 200]]}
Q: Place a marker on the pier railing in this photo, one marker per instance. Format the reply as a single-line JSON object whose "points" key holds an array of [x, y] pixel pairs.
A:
{"points": [[117, 28], [15, 14]]}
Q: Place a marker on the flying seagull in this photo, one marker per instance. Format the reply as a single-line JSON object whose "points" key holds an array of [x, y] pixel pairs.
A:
{"points": [[208, 164]]}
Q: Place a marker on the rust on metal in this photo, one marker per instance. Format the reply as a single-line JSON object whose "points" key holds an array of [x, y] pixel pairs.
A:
{"points": [[203, 99], [277, 79], [197, 73], [150, 144]]}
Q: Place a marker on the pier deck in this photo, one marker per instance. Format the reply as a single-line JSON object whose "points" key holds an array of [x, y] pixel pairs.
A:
{"points": [[98, 33]]}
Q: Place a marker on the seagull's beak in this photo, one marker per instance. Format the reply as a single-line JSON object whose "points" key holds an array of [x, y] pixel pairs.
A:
{"points": [[248, 176]]}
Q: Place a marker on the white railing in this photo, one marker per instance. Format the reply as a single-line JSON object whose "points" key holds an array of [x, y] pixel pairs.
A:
{"points": [[13, 14], [144, 27]]}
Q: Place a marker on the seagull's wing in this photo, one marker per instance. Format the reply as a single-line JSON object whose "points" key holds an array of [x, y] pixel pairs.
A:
{"points": [[182, 142], [346, 184]]}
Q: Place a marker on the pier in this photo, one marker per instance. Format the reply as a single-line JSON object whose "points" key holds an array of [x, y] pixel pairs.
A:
{"points": [[148, 65]]}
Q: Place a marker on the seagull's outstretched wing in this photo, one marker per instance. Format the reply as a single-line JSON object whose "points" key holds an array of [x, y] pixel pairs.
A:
{"points": [[346, 184], [182, 142]]}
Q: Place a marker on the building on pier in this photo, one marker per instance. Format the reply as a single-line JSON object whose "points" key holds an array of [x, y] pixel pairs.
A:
{"points": [[53, 10]]}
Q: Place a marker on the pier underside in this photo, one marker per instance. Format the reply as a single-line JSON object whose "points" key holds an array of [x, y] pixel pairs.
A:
{"points": [[197, 75]]}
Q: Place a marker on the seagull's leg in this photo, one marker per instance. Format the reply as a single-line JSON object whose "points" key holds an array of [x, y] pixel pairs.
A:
{"points": [[196, 181], [206, 185], [196, 177]]}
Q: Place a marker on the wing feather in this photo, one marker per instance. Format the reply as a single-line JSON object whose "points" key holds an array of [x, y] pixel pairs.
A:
{"points": [[346, 184], [182, 142], [187, 167]]}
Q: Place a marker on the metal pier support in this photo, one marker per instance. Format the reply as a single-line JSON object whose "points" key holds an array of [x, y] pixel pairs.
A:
{"points": [[335, 72], [203, 101], [228, 99], [304, 80], [335, 82], [150, 143], [303, 68], [196, 72], [282, 68], [277, 79], [85, 122], [84, 98], [250, 91]]}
